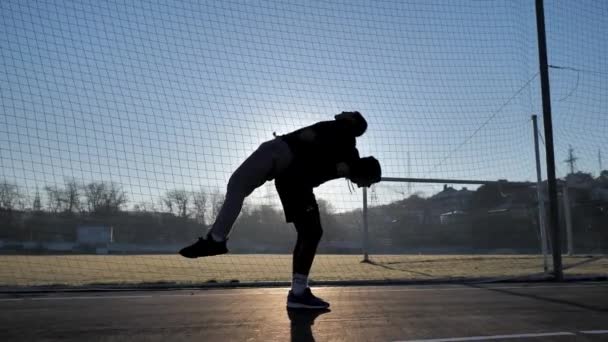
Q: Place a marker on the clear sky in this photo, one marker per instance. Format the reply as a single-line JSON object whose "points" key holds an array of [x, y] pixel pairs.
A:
{"points": [[161, 95]]}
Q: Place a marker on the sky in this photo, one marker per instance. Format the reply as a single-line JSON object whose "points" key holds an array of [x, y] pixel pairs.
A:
{"points": [[162, 95]]}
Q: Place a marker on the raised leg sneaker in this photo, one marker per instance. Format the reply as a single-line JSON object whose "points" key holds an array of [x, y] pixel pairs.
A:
{"points": [[305, 301], [204, 247]]}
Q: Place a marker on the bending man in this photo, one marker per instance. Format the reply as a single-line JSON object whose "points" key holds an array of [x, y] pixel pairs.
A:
{"points": [[298, 162]]}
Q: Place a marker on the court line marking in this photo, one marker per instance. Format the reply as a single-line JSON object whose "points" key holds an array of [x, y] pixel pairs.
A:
{"points": [[462, 288], [72, 298], [594, 332], [493, 337], [226, 292]]}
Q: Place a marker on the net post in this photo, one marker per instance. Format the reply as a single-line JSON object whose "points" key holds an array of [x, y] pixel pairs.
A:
{"points": [[365, 228], [539, 195], [546, 101]]}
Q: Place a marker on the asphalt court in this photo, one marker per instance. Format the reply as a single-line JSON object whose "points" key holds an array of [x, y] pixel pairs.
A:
{"points": [[501, 312]]}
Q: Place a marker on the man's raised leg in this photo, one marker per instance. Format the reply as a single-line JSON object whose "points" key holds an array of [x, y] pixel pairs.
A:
{"points": [[251, 174]]}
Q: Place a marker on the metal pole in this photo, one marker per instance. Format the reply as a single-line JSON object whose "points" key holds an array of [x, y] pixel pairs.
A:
{"points": [[539, 195], [365, 227], [450, 181], [409, 173], [568, 217], [599, 160], [551, 181]]}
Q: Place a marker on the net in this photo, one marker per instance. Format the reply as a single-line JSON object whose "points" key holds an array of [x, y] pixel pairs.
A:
{"points": [[121, 124], [578, 79]]}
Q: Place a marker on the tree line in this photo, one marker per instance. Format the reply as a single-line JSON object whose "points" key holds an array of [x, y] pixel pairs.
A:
{"points": [[494, 216], [102, 198], [106, 198]]}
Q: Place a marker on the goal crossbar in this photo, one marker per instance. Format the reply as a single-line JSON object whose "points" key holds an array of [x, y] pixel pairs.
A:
{"points": [[452, 181]]}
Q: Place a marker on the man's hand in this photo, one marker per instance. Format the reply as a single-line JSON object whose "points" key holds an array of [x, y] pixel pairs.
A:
{"points": [[365, 172]]}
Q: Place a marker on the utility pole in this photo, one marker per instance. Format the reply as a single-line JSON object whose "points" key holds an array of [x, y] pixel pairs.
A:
{"points": [[599, 160], [571, 159], [550, 154]]}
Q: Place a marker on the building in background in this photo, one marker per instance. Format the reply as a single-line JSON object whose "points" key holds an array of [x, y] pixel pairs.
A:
{"points": [[97, 237]]}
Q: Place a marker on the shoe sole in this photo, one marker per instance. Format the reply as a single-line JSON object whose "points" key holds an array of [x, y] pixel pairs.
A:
{"points": [[291, 305], [201, 256]]}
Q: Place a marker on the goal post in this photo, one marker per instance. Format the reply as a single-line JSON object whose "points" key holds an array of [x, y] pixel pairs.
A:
{"points": [[531, 187], [536, 186]]}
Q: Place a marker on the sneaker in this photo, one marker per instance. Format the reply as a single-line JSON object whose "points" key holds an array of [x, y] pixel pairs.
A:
{"points": [[204, 247], [306, 300], [303, 318]]}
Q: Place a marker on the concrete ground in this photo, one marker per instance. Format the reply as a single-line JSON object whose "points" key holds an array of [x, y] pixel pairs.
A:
{"points": [[506, 312]]}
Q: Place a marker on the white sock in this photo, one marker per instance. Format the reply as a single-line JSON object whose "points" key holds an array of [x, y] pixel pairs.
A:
{"points": [[217, 238], [299, 283]]}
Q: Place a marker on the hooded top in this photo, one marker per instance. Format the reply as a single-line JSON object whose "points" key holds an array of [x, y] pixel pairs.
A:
{"points": [[317, 150], [326, 142]]}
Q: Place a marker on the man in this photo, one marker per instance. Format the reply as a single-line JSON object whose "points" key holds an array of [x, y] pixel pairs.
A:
{"points": [[298, 162]]}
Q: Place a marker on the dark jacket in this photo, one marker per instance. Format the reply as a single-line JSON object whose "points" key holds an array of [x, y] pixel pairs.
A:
{"points": [[322, 146], [317, 150]]}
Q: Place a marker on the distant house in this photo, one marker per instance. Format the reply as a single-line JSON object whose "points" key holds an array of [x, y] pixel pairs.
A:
{"points": [[579, 180], [514, 207], [451, 217], [599, 194], [451, 202], [414, 215]]}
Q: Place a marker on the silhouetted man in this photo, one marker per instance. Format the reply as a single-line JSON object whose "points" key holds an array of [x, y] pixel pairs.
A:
{"points": [[298, 162]]}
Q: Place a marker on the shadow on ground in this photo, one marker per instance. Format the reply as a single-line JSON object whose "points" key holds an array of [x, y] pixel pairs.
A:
{"points": [[301, 323]]}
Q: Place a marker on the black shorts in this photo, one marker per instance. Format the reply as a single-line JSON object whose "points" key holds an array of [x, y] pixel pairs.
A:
{"points": [[298, 199]]}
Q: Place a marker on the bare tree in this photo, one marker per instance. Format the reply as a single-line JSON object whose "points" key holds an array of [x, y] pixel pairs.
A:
{"points": [[72, 196], [10, 196], [94, 194], [104, 198], [199, 199], [167, 202], [56, 198], [217, 200], [145, 207], [115, 198], [177, 199]]}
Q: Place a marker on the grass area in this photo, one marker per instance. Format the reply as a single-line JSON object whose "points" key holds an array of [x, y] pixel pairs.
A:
{"points": [[22, 270]]}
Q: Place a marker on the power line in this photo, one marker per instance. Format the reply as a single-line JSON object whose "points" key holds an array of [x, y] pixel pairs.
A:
{"points": [[448, 155], [588, 71]]}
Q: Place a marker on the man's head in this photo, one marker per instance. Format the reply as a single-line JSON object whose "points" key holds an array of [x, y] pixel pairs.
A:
{"points": [[365, 172], [356, 122]]}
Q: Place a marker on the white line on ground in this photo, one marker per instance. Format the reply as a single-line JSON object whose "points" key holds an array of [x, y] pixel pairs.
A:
{"points": [[594, 332], [90, 297], [70, 298], [461, 288], [238, 292], [494, 337]]}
